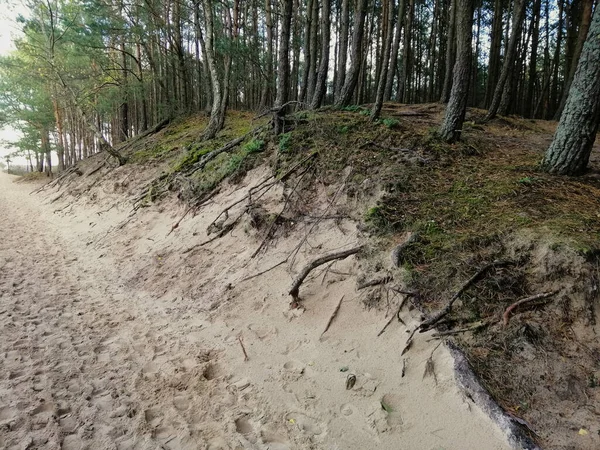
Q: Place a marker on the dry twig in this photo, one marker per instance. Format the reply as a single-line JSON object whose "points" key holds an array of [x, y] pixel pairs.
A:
{"points": [[333, 316], [243, 348], [295, 289], [506, 315]]}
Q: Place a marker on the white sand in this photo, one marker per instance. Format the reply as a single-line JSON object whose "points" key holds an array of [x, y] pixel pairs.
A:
{"points": [[120, 341]]}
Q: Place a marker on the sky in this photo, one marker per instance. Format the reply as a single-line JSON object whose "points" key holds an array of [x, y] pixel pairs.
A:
{"points": [[8, 29]]}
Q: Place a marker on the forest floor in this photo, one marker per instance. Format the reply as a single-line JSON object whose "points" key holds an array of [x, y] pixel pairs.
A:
{"points": [[131, 320]]}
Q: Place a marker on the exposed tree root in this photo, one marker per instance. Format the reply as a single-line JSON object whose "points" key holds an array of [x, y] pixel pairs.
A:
{"points": [[506, 315], [333, 316], [429, 323], [397, 315], [474, 327], [375, 282], [435, 318], [295, 289]]}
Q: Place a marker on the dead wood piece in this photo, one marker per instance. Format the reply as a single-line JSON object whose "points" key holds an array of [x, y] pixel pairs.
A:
{"points": [[374, 282], [435, 318], [333, 316], [506, 315], [295, 289], [243, 348]]}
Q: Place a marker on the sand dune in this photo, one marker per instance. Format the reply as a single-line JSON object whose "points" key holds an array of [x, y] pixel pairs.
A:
{"points": [[113, 338]]}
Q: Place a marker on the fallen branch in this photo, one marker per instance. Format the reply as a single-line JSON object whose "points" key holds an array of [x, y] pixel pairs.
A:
{"points": [[506, 315], [295, 289], [333, 316]]}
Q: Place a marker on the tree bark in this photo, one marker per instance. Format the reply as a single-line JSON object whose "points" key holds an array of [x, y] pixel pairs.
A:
{"points": [[343, 48], [450, 54], [395, 50], [530, 101], [357, 37], [451, 128], [509, 59], [284, 66], [321, 87], [381, 83], [586, 19], [570, 149], [217, 118], [495, 48], [406, 53]]}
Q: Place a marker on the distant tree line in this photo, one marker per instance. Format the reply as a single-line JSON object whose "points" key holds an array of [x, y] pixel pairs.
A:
{"points": [[87, 75]]}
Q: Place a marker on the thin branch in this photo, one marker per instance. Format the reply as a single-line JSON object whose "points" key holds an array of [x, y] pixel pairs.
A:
{"points": [[295, 289], [506, 315]]}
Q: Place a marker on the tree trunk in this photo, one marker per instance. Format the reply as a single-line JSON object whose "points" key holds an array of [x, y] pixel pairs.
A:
{"points": [[495, 48], [217, 118], [586, 18], [357, 37], [283, 67], [451, 128], [381, 83], [406, 53], [321, 87], [556, 59], [395, 50], [307, 53], [312, 69], [530, 101], [450, 53], [509, 59], [570, 149], [343, 48]]}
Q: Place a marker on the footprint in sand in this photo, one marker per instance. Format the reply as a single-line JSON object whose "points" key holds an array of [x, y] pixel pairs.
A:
{"points": [[153, 416], [294, 366], [275, 441], [212, 371], [181, 403], [263, 332], [307, 424], [243, 425], [6, 414], [392, 404], [218, 444]]}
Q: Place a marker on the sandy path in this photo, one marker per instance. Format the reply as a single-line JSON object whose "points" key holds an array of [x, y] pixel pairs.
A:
{"points": [[104, 347]]}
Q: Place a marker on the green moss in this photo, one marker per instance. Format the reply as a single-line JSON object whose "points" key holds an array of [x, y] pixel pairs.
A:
{"points": [[254, 146], [285, 142], [391, 123]]}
